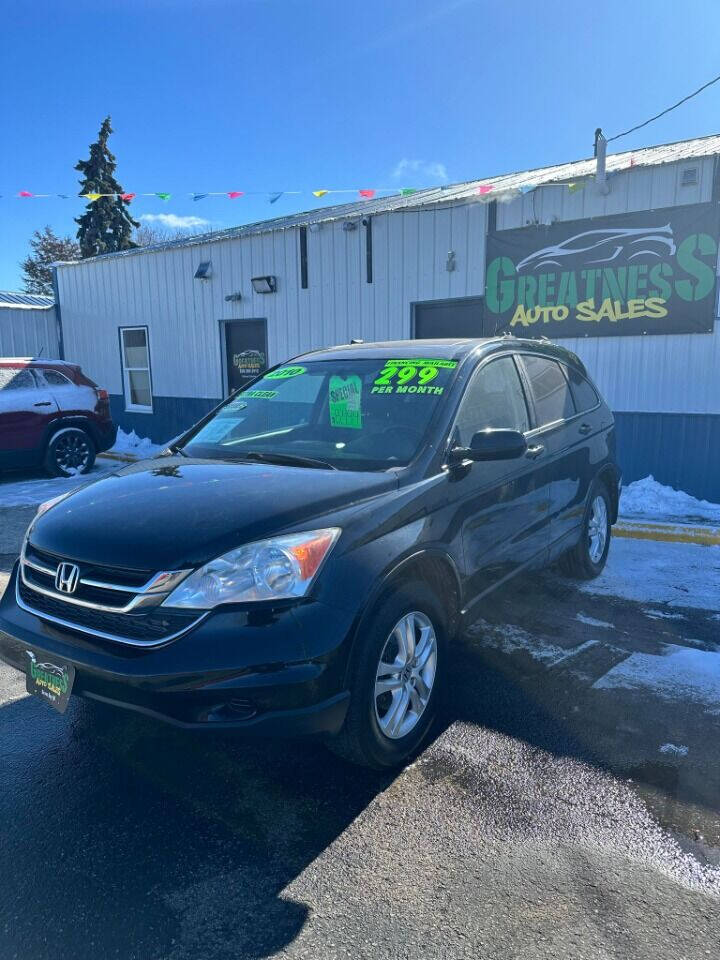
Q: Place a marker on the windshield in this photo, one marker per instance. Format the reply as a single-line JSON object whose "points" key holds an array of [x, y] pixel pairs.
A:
{"points": [[344, 414]]}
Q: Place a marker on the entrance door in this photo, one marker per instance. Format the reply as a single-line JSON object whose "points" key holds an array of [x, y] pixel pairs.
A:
{"points": [[462, 317], [245, 351]]}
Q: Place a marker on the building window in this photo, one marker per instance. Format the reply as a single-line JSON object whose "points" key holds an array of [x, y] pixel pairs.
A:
{"points": [[135, 356]]}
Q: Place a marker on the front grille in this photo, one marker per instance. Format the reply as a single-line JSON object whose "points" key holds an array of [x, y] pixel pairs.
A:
{"points": [[132, 579], [98, 595], [151, 626], [109, 602]]}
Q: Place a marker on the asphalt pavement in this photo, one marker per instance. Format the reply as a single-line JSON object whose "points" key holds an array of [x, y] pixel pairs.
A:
{"points": [[545, 819]]}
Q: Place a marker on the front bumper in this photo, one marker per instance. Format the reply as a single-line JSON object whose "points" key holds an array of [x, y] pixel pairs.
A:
{"points": [[273, 671]]}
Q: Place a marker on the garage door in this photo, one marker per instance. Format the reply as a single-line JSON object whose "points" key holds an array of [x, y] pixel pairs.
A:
{"points": [[463, 317]]}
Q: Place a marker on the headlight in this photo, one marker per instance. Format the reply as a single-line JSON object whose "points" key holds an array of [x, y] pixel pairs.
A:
{"points": [[277, 569]]}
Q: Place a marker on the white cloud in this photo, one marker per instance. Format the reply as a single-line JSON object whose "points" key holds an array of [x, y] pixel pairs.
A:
{"points": [[420, 169], [172, 221]]}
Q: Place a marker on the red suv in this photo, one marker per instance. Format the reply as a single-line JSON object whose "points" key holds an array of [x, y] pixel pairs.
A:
{"points": [[51, 414]]}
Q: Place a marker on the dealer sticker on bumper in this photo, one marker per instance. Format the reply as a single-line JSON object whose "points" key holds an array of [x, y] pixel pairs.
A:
{"points": [[50, 680]]}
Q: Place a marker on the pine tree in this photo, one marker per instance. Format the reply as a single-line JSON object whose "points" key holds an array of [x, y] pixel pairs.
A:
{"points": [[47, 248], [106, 226]]}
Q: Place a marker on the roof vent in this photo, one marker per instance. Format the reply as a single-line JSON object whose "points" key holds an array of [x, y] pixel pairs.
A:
{"points": [[689, 177]]}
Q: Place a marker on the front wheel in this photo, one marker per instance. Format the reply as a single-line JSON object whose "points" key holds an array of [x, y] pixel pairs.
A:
{"points": [[587, 559], [70, 451], [397, 668]]}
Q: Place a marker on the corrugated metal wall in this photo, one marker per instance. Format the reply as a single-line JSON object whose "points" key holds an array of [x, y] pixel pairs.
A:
{"points": [[669, 377], [183, 315], [27, 332]]}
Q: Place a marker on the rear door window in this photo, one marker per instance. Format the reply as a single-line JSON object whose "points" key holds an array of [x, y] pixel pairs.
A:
{"points": [[583, 392], [553, 400]]}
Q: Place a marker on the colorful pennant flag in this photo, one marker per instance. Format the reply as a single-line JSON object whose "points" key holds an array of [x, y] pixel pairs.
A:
{"points": [[63, 196], [485, 188], [274, 197], [199, 196], [92, 197], [526, 187], [367, 194], [164, 196], [127, 197], [407, 191], [25, 193], [577, 185], [319, 193], [234, 194]]}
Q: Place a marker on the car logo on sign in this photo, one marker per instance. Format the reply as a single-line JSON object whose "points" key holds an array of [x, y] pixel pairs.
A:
{"points": [[66, 578]]}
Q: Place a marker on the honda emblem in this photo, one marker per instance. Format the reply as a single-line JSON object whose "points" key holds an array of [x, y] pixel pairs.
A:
{"points": [[67, 577]]}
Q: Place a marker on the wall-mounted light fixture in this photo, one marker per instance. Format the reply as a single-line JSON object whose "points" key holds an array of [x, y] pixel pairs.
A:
{"points": [[204, 271], [450, 263], [349, 225], [264, 284]]}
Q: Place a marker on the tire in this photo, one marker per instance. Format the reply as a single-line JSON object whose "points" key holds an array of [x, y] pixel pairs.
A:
{"points": [[587, 558], [70, 451], [383, 729]]}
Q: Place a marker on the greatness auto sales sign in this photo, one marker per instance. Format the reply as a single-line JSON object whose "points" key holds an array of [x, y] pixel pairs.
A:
{"points": [[647, 272]]}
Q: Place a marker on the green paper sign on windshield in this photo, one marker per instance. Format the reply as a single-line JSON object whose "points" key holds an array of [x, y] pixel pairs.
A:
{"points": [[344, 398]]}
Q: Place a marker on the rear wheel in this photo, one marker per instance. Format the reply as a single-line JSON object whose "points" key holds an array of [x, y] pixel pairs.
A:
{"points": [[397, 668], [70, 451], [587, 559]]}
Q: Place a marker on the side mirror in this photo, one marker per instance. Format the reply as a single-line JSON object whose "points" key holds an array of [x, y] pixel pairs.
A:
{"points": [[492, 445]]}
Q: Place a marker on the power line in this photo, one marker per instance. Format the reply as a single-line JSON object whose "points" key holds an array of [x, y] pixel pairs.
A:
{"points": [[662, 114]]}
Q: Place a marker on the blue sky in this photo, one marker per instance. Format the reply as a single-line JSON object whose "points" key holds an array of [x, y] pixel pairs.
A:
{"points": [[310, 94]]}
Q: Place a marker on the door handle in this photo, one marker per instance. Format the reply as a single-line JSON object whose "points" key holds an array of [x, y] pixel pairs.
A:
{"points": [[43, 403], [584, 428], [534, 452]]}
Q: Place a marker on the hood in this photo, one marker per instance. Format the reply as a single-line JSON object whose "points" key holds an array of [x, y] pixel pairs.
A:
{"points": [[173, 513]]}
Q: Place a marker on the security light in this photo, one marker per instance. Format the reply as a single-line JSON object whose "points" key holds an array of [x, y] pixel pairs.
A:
{"points": [[204, 271], [264, 284]]}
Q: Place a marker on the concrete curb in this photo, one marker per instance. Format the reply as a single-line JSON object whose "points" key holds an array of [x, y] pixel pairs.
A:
{"points": [[668, 532]]}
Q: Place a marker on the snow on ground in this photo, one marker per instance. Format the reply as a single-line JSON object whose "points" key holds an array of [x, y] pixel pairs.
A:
{"points": [[677, 751], [131, 443], [677, 674], [592, 622], [647, 499], [35, 489], [654, 572]]}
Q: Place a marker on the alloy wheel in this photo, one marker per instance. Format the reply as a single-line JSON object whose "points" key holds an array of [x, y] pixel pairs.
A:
{"points": [[405, 675], [72, 452], [597, 529]]}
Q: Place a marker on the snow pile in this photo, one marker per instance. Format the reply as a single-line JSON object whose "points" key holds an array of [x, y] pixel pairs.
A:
{"points": [[133, 445], [681, 751], [650, 500], [678, 674], [35, 489]]}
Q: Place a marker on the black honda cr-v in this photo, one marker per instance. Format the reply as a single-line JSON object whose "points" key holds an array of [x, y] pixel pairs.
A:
{"points": [[300, 561]]}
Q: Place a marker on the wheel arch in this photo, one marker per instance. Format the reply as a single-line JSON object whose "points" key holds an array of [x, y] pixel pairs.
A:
{"points": [[431, 565], [609, 476]]}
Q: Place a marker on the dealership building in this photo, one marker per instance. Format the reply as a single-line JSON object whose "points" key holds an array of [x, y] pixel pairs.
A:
{"points": [[615, 257]]}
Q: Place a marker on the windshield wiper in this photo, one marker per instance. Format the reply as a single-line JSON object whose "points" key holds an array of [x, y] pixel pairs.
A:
{"points": [[174, 448], [289, 459]]}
